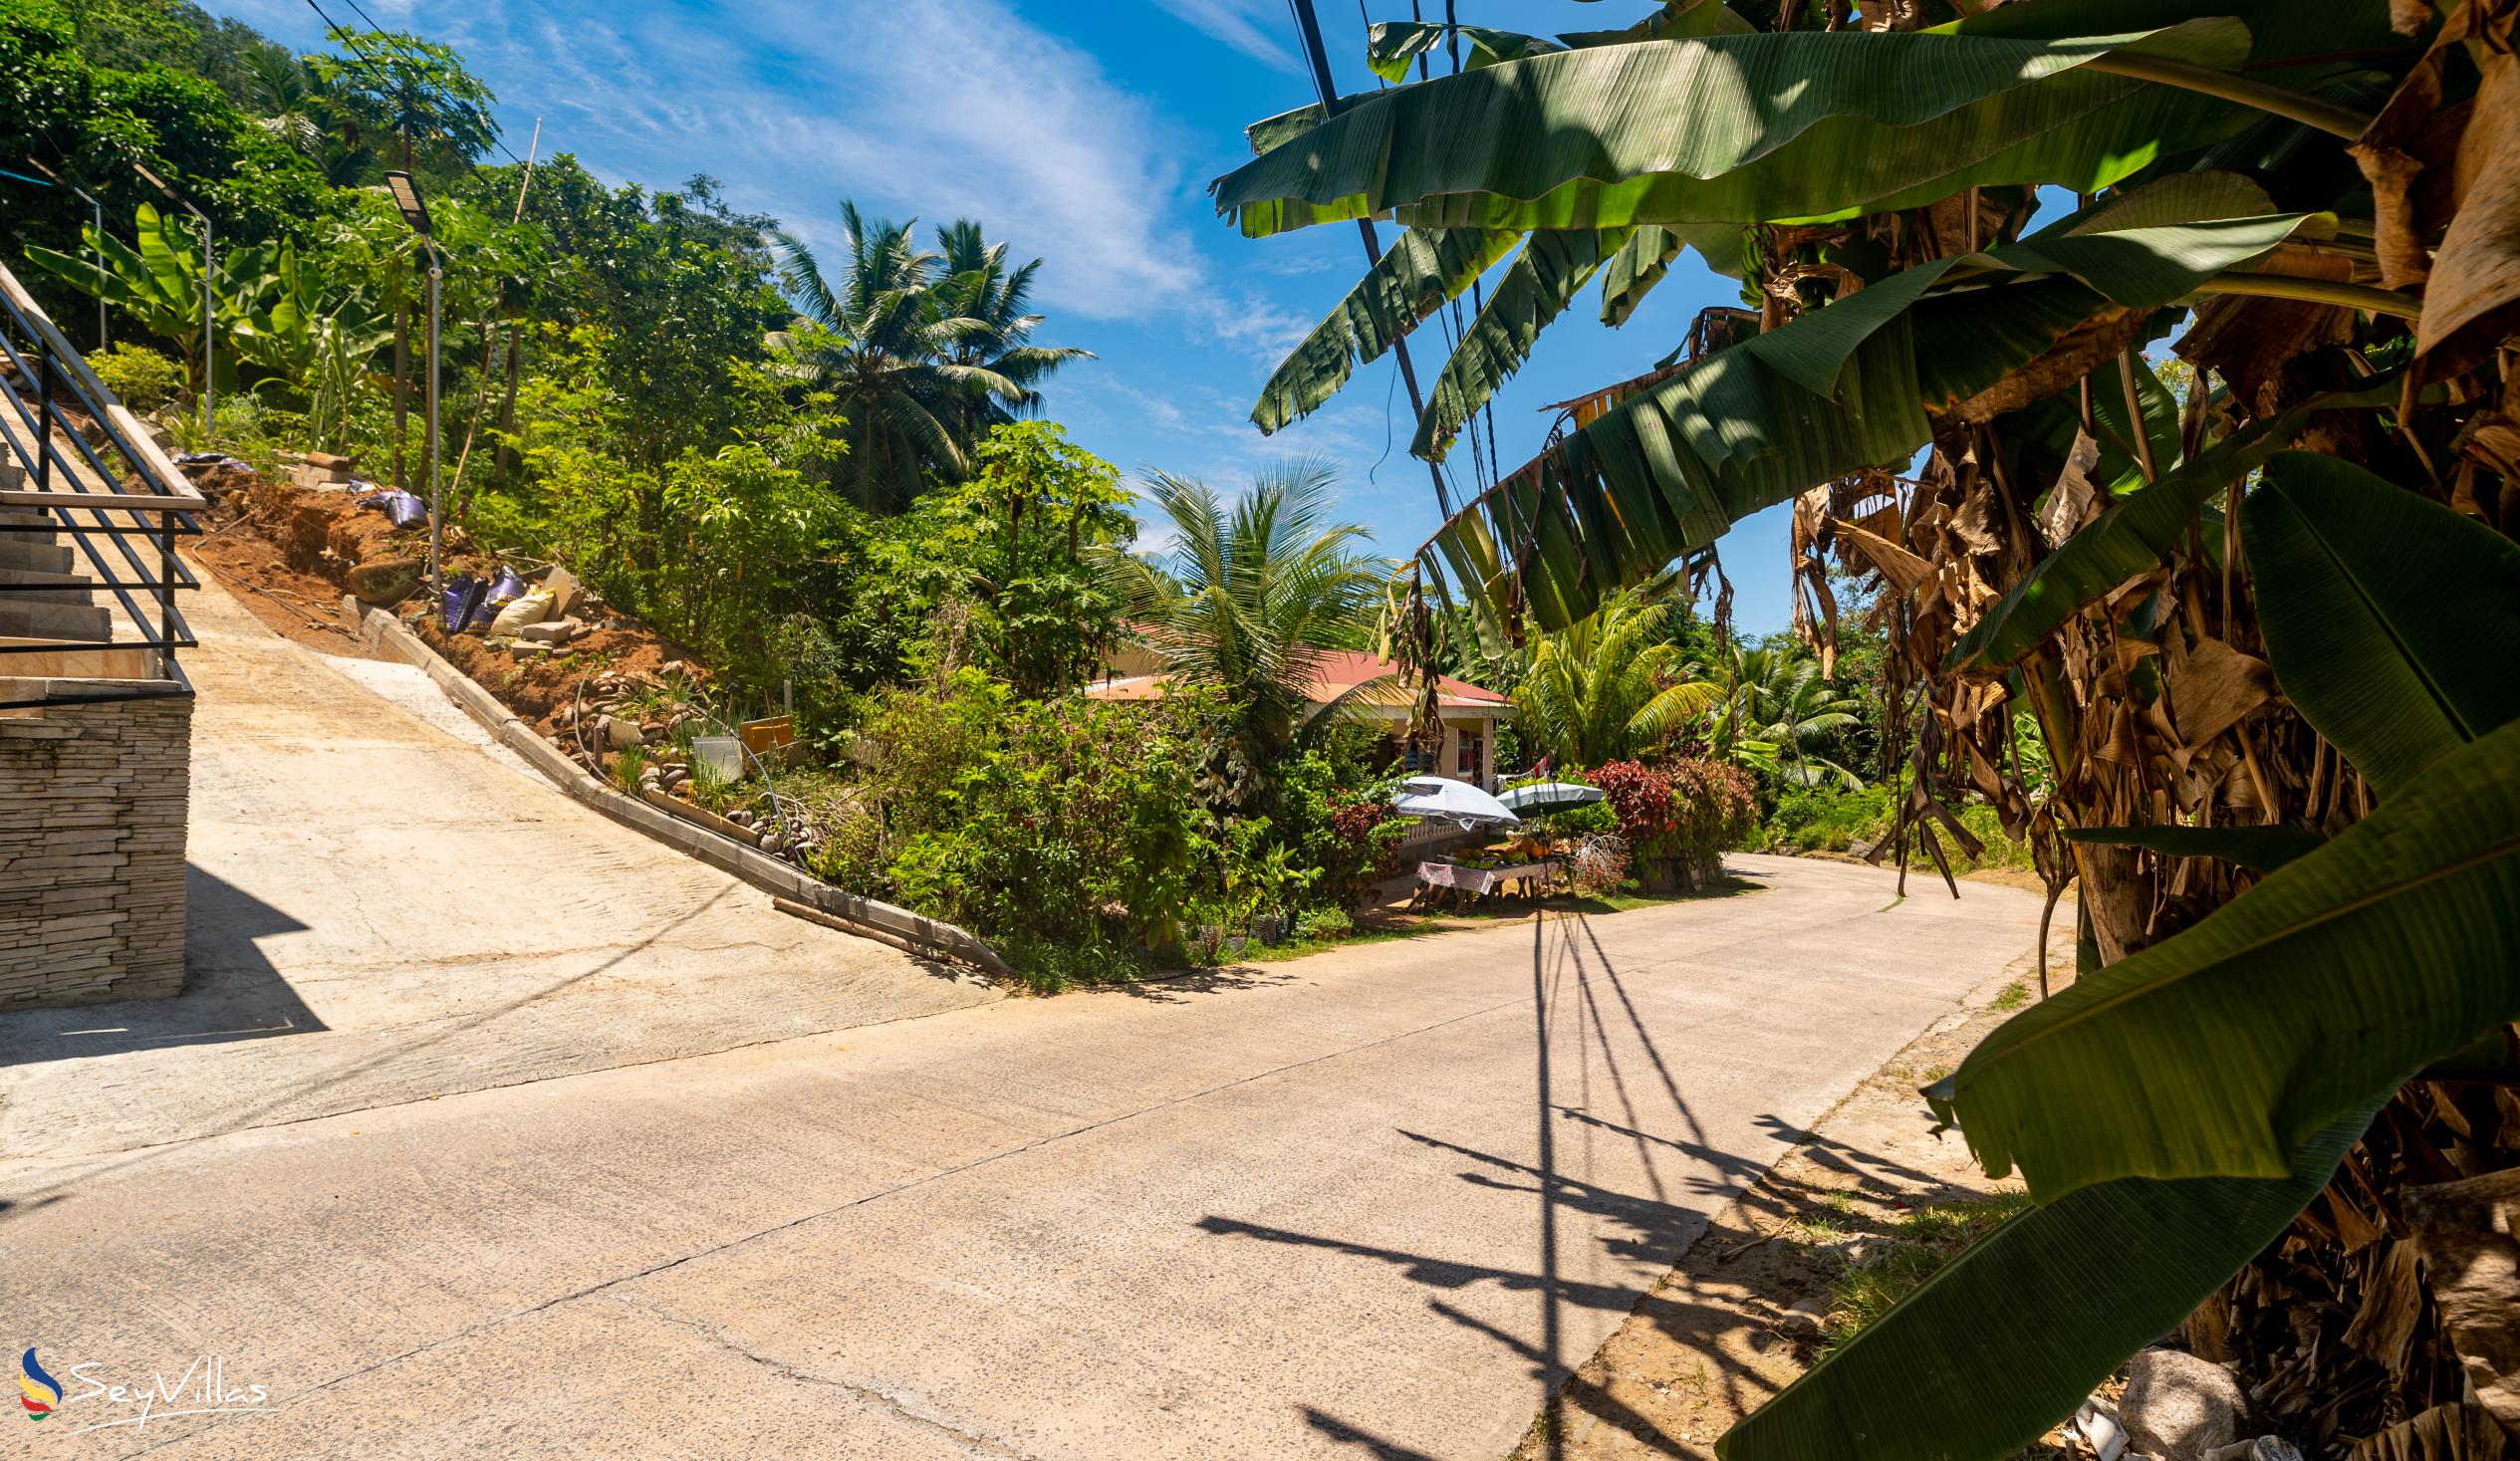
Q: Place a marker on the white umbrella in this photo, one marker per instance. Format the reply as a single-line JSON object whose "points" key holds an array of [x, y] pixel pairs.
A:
{"points": [[1550, 796], [1440, 799]]}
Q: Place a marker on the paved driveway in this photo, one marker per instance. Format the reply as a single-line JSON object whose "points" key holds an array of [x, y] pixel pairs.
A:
{"points": [[385, 908], [1369, 1204]]}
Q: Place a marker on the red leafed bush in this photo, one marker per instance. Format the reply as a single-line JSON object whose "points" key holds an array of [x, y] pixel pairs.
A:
{"points": [[1681, 815]]}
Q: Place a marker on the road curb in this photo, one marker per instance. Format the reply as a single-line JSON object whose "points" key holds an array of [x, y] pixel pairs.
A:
{"points": [[868, 917]]}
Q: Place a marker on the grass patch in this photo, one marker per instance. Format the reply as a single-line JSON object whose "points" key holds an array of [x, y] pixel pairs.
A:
{"points": [[1256, 952], [1918, 1247], [2013, 997]]}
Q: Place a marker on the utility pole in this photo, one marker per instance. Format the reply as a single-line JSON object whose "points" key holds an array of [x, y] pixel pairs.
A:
{"points": [[414, 209], [1319, 62]]}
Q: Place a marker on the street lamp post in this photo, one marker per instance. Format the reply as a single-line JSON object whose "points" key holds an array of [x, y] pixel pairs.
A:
{"points": [[414, 209], [209, 268]]}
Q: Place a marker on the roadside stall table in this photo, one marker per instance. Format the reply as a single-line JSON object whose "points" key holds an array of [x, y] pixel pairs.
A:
{"points": [[1438, 879]]}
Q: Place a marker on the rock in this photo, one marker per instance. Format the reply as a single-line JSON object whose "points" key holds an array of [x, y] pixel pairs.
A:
{"points": [[620, 735], [1802, 1319], [740, 817], [2179, 1407], [565, 590], [525, 649], [551, 631], [384, 579]]}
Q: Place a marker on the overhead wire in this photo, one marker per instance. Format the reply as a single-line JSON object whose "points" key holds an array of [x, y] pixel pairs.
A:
{"points": [[350, 38]]}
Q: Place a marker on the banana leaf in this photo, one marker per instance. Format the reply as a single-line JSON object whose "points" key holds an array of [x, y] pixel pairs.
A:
{"points": [[1533, 291], [1392, 45], [1844, 388], [2006, 1340], [2221, 1051], [1739, 128], [1634, 270], [1419, 271], [2258, 848], [2388, 619]]}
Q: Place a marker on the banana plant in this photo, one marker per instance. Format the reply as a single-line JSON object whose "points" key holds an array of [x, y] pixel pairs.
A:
{"points": [[313, 339], [2162, 1151], [157, 285]]}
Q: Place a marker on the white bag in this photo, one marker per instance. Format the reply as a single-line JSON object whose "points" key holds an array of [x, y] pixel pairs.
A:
{"points": [[531, 608]]}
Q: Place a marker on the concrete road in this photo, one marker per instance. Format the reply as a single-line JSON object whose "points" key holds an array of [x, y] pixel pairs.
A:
{"points": [[1366, 1204], [384, 909]]}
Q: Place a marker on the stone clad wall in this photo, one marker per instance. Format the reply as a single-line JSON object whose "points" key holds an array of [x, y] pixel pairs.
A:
{"points": [[92, 852]]}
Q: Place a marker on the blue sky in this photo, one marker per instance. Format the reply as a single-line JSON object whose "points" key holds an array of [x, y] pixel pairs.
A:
{"points": [[1082, 131]]}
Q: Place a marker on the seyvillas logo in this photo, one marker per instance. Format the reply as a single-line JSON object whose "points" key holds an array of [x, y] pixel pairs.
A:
{"points": [[202, 1388], [40, 1392]]}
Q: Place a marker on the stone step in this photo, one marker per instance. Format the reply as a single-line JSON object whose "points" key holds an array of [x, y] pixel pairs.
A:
{"points": [[25, 552], [21, 616], [56, 687], [30, 586], [76, 659]]}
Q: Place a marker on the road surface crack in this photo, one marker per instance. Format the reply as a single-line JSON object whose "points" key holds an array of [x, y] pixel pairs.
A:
{"points": [[787, 1372]]}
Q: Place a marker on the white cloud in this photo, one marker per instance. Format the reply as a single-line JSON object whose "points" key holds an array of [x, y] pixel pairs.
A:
{"points": [[1253, 27]]}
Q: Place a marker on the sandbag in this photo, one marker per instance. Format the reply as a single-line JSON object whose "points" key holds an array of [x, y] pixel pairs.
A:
{"points": [[530, 609]]}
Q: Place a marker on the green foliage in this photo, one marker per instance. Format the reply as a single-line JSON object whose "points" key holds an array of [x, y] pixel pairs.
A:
{"points": [[1336, 816], [708, 545], [415, 94], [1021, 540], [1821, 820], [142, 379], [1250, 595], [1325, 926], [157, 286], [1778, 715], [1064, 831], [1609, 686], [918, 378]]}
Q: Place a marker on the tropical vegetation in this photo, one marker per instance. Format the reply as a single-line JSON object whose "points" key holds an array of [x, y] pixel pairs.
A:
{"points": [[2256, 608]]}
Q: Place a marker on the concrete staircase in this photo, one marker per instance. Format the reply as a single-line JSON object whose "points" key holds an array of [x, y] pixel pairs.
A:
{"points": [[69, 621]]}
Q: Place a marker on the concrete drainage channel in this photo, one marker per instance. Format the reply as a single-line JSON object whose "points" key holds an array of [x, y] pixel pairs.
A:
{"points": [[792, 890]]}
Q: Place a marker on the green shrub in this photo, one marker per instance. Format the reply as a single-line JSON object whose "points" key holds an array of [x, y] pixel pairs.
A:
{"points": [[1333, 816], [145, 378], [1064, 831], [1823, 820], [1325, 926]]}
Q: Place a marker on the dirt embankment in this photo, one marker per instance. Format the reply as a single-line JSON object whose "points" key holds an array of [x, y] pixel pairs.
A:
{"points": [[291, 552]]}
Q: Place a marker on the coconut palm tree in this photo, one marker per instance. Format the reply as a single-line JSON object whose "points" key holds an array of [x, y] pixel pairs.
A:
{"points": [[1251, 593], [1609, 686], [1773, 707], [881, 339], [977, 288]]}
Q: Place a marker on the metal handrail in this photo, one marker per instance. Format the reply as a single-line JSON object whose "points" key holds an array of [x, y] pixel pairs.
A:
{"points": [[57, 364]]}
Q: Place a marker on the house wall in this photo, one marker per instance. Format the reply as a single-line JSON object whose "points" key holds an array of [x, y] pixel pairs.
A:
{"points": [[91, 850]]}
